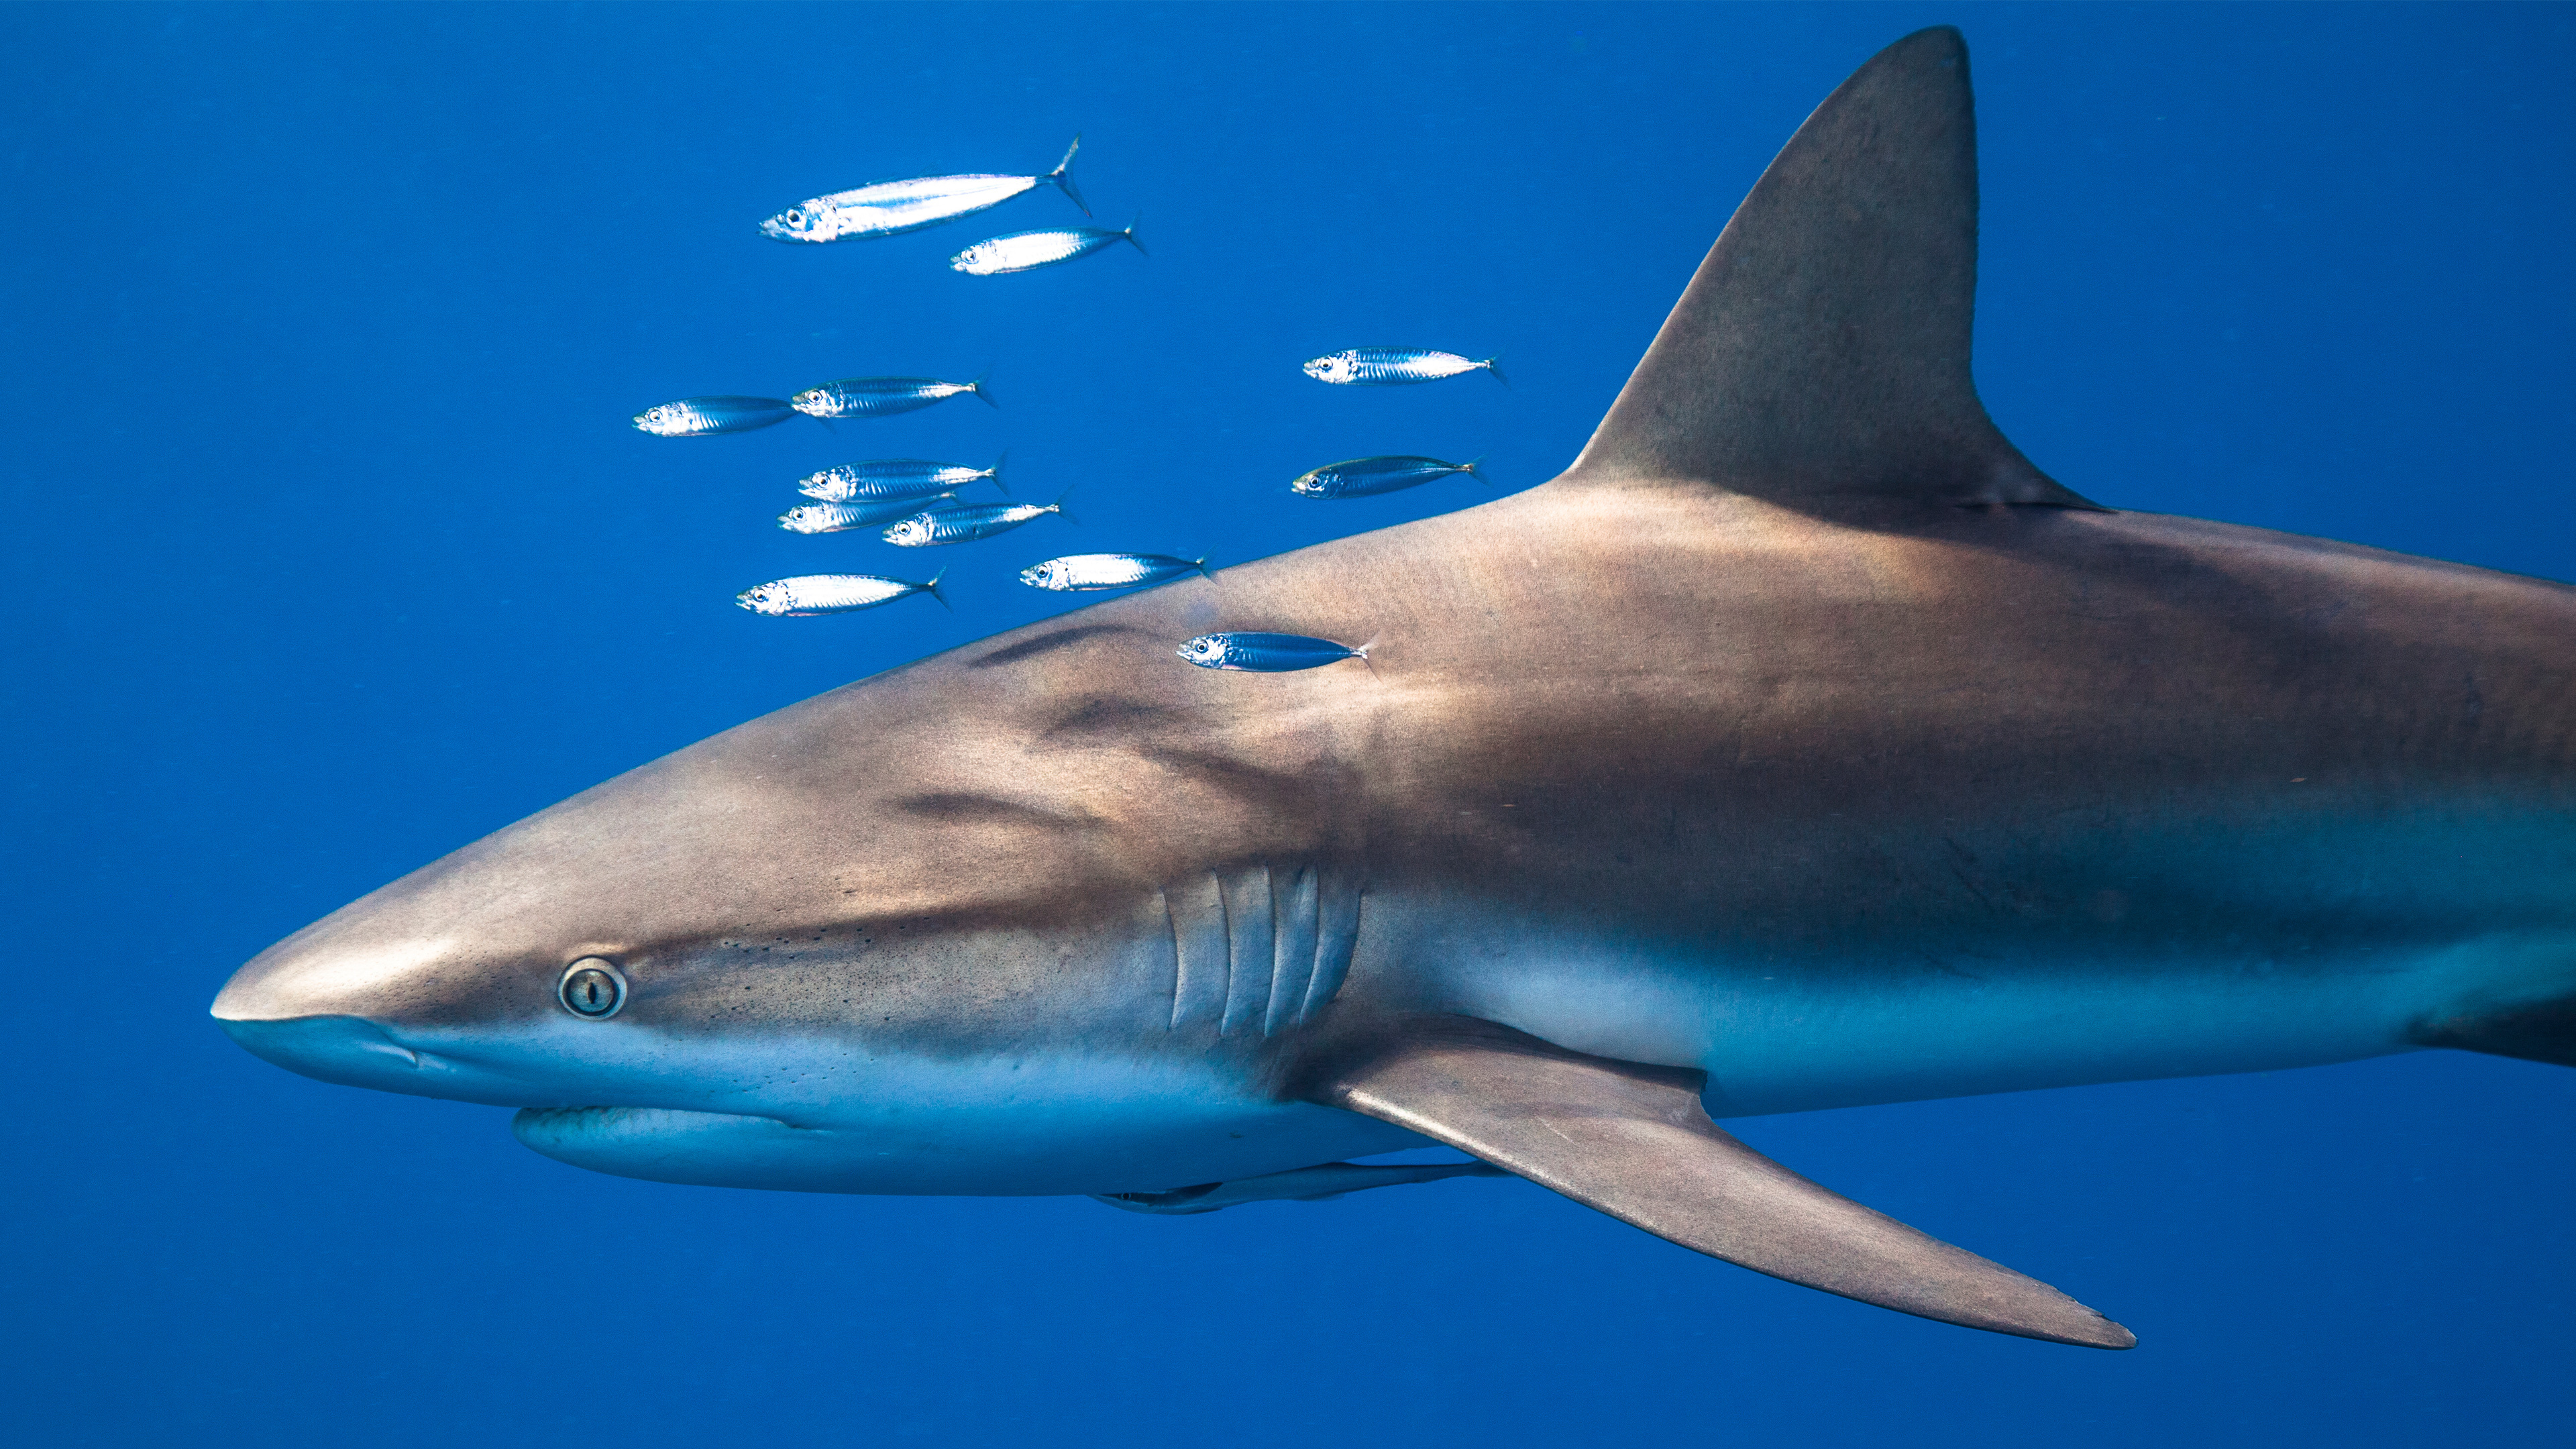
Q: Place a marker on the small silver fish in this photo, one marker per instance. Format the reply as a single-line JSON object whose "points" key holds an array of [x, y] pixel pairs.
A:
{"points": [[832, 594], [1081, 572], [699, 417], [1268, 653], [967, 522], [1361, 477], [886, 208], [1391, 366], [877, 397], [891, 479], [1026, 251], [837, 517]]}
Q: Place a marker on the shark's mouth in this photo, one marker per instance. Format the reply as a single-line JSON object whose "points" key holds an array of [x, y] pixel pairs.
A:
{"points": [[668, 1144]]}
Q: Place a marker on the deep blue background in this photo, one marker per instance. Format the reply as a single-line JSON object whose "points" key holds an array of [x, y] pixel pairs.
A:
{"points": [[329, 549]]}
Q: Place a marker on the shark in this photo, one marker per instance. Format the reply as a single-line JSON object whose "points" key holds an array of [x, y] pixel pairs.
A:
{"points": [[1802, 745]]}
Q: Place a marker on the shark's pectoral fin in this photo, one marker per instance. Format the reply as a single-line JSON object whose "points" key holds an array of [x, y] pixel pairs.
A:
{"points": [[1303, 1184], [1634, 1142], [1821, 351]]}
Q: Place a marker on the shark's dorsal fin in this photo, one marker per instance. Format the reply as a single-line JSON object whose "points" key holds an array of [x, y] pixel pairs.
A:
{"points": [[1821, 352], [1634, 1142]]}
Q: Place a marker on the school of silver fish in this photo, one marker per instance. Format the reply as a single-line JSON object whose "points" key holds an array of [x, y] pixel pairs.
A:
{"points": [[915, 502]]}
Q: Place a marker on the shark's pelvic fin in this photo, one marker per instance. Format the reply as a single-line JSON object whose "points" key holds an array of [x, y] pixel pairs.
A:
{"points": [[2538, 1031], [1821, 353], [1303, 1184], [1634, 1142]]}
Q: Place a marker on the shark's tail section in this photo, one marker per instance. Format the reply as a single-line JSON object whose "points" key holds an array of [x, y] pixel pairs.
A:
{"points": [[1061, 178]]}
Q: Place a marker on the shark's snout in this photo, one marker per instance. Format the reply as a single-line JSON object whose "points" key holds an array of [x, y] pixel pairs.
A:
{"points": [[370, 1009]]}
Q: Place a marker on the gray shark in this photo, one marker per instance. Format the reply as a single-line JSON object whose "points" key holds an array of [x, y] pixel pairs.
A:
{"points": [[1803, 745]]}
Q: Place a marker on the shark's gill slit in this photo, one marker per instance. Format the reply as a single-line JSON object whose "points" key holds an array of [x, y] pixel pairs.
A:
{"points": [[1225, 926], [1337, 935], [1180, 964], [1197, 910], [1250, 922], [1293, 953]]}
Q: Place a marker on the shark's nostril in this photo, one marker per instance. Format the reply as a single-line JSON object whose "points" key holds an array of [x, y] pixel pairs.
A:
{"points": [[404, 1054], [356, 1052]]}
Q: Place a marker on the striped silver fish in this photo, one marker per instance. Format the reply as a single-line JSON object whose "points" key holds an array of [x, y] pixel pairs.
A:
{"points": [[1268, 653], [890, 479], [967, 522], [1026, 251], [699, 417], [1393, 366], [836, 517], [886, 208], [1081, 572], [1361, 477], [832, 594], [877, 397]]}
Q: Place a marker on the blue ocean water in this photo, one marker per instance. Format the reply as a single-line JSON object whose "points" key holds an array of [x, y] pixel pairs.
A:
{"points": [[330, 549]]}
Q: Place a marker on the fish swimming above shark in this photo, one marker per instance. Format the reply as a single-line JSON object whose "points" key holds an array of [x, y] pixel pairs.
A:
{"points": [[1802, 745]]}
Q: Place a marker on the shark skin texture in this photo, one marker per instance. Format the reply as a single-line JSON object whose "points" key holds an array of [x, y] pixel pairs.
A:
{"points": [[1802, 746]]}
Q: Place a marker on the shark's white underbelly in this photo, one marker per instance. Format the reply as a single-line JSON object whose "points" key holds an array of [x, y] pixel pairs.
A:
{"points": [[1789, 1036], [1047, 1121]]}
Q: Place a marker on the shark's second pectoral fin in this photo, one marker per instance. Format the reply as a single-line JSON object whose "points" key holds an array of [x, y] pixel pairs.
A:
{"points": [[1302, 1184], [1634, 1142]]}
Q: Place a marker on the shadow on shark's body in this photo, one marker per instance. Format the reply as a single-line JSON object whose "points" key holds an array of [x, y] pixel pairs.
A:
{"points": [[1803, 745]]}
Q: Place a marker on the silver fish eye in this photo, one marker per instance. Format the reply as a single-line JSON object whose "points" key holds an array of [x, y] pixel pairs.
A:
{"points": [[592, 988]]}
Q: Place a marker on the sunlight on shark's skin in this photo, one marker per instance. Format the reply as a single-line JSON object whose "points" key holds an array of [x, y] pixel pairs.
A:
{"points": [[1802, 746]]}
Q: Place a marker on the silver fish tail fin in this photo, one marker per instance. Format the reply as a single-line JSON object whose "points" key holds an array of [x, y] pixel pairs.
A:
{"points": [[977, 387], [1061, 178], [995, 472], [1130, 234], [1488, 364], [1060, 510], [1200, 563], [1361, 653], [1819, 356], [932, 589], [1475, 468]]}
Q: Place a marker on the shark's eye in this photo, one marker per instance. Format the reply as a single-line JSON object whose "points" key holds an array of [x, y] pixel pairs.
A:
{"points": [[592, 987]]}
